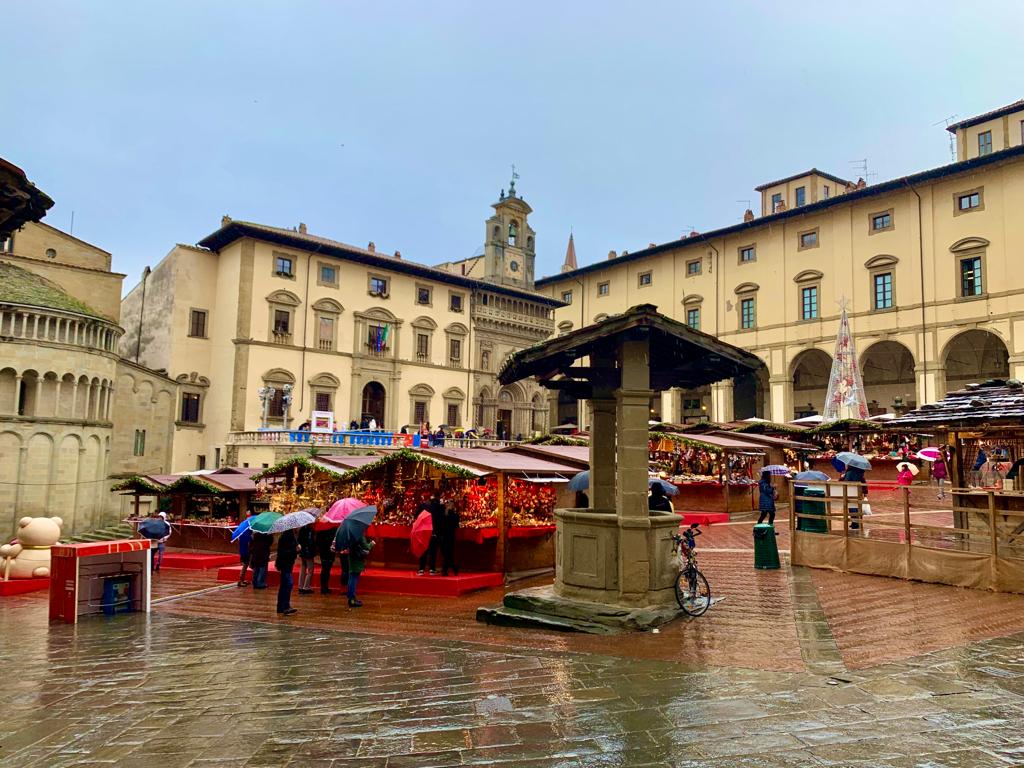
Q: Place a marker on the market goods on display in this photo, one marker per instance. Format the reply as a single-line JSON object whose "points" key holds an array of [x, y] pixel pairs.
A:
{"points": [[682, 460], [529, 503]]}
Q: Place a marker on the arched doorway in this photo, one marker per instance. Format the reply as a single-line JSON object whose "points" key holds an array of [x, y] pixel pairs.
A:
{"points": [[887, 369], [974, 356], [811, 371], [373, 404], [505, 406], [748, 394]]}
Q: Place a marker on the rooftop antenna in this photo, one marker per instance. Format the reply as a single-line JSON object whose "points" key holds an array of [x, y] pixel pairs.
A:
{"points": [[862, 166], [72, 223], [946, 122]]}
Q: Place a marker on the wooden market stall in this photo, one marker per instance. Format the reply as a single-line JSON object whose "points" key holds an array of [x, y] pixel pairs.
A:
{"points": [[778, 450]]}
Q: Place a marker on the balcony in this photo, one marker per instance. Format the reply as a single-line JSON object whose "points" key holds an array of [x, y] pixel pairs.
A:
{"points": [[281, 337], [422, 357], [454, 362], [325, 345], [355, 438], [372, 351], [541, 327]]}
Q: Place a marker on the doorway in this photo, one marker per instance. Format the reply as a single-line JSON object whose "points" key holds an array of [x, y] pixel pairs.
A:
{"points": [[504, 423], [373, 404]]}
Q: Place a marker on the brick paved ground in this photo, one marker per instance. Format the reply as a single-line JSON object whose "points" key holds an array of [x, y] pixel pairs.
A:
{"points": [[796, 668]]}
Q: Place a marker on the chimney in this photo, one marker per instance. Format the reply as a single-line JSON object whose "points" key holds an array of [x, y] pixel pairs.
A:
{"points": [[860, 183], [651, 245], [625, 252], [748, 215], [612, 254], [371, 247], [302, 228], [693, 233], [225, 220], [398, 254]]}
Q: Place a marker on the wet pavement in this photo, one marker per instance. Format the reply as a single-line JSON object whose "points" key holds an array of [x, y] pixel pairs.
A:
{"points": [[793, 668]]}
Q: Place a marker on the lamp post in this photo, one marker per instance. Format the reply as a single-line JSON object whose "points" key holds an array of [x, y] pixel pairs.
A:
{"points": [[266, 394]]}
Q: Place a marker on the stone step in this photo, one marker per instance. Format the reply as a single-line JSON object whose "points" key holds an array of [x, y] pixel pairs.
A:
{"points": [[502, 616]]}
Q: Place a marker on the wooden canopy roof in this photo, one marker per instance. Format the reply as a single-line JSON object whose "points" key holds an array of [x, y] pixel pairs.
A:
{"points": [[994, 403]]}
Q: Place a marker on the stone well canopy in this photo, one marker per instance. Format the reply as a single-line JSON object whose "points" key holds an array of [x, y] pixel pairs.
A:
{"points": [[680, 356]]}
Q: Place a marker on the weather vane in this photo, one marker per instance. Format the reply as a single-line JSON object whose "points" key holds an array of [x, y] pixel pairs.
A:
{"points": [[512, 184]]}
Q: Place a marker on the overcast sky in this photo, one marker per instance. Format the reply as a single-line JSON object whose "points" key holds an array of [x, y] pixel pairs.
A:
{"points": [[397, 122]]}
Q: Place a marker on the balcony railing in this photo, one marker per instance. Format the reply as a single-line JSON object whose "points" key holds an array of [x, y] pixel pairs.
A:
{"points": [[282, 337], [325, 345], [373, 351], [354, 438], [38, 324]]}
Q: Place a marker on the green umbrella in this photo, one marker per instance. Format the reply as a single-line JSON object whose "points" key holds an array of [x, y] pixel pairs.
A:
{"points": [[262, 522]]}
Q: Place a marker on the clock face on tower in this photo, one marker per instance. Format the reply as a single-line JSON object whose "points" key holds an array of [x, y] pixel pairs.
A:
{"points": [[514, 266]]}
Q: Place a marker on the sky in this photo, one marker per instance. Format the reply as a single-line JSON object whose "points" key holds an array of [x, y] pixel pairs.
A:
{"points": [[398, 122]]}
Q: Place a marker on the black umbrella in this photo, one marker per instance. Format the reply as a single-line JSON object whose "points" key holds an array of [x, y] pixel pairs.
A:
{"points": [[154, 528], [353, 527]]}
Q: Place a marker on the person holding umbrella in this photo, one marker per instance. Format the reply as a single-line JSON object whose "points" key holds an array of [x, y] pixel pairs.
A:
{"points": [[766, 497], [658, 501], [307, 555], [161, 544], [259, 558], [244, 539], [357, 554], [287, 551], [856, 465], [351, 537]]}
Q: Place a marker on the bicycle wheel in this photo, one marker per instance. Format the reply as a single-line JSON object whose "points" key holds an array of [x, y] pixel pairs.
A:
{"points": [[693, 593]]}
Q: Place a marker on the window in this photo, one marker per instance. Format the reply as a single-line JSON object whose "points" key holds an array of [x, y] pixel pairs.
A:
{"points": [[603, 288], [825, 192], [276, 407], [378, 286], [970, 276], [693, 267], [282, 321], [325, 333], [419, 412], [201, 461], [422, 347], [693, 318], [985, 143], [881, 221], [691, 404], [809, 302], [776, 202], [190, 408], [377, 338], [969, 201], [455, 350], [323, 401], [747, 254], [808, 240], [283, 266], [455, 302], [883, 290], [328, 275], [51, 254], [423, 296], [567, 297], [748, 313], [801, 195], [197, 323], [453, 415], [139, 449]]}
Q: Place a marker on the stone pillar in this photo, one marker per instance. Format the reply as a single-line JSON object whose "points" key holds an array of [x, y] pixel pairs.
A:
{"points": [[781, 399], [1017, 367], [602, 453], [722, 401], [670, 406], [74, 398], [931, 386]]}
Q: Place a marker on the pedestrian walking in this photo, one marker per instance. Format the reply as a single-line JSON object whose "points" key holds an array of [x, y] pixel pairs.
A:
{"points": [[767, 496], [658, 501], [323, 541], [436, 510], [357, 555], [259, 558], [161, 544], [855, 475], [940, 471], [287, 551], [307, 553], [244, 542], [448, 534]]}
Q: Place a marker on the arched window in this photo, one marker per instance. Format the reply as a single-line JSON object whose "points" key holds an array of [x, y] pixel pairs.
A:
{"points": [[51, 254], [513, 232]]}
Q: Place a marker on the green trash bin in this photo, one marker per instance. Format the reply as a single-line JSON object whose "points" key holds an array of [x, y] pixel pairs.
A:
{"points": [[766, 549], [810, 508]]}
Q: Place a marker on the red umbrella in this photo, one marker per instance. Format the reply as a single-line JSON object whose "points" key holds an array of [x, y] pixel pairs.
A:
{"points": [[337, 513], [422, 530]]}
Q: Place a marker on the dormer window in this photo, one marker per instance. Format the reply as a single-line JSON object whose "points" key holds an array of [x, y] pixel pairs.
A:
{"points": [[984, 143], [513, 232], [776, 202]]}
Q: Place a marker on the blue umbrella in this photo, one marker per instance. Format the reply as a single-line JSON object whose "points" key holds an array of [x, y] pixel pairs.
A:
{"points": [[154, 528], [580, 482], [239, 532], [812, 474], [353, 527], [667, 487], [855, 460], [837, 465], [776, 469]]}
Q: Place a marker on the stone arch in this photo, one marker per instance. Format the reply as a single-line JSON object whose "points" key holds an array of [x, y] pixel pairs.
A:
{"points": [[887, 370], [807, 276], [8, 390], [743, 288], [324, 380], [374, 403], [35, 476], [974, 356], [454, 393], [328, 305], [881, 260], [750, 394], [457, 329], [380, 313], [279, 375], [969, 244], [810, 371], [282, 296], [423, 390], [424, 323]]}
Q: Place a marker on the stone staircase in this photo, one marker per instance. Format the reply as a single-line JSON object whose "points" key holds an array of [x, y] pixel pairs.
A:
{"points": [[119, 531]]}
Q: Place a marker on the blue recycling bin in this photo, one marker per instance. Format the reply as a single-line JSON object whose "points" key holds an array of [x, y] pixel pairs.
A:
{"points": [[117, 594]]}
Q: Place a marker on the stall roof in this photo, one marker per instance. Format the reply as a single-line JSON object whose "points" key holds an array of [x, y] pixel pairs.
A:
{"points": [[718, 441], [578, 455], [993, 403], [501, 461], [776, 442]]}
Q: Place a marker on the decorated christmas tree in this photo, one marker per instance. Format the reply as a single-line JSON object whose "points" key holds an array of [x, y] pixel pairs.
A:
{"points": [[845, 398]]}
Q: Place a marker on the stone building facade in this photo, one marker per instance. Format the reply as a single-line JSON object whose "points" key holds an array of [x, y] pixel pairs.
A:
{"points": [[351, 331], [925, 264], [70, 410]]}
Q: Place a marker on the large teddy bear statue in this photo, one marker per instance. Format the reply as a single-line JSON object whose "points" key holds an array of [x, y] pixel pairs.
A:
{"points": [[29, 556]]}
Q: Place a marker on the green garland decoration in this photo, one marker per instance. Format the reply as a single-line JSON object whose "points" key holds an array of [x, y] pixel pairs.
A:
{"points": [[555, 440], [299, 461], [690, 442], [142, 484], [352, 475], [138, 483], [761, 427]]}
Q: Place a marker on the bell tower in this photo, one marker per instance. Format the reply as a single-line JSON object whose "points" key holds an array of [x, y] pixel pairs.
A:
{"points": [[509, 244]]}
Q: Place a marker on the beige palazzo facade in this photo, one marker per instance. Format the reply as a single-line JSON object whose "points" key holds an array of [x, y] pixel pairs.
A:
{"points": [[928, 266], [349, 331]]}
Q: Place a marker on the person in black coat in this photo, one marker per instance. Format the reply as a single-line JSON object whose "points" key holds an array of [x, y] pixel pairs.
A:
{"points": [[436, 510], [323, 541], [448, 533], [658, 501], [259, 558], [307, 553], [287, 551]]}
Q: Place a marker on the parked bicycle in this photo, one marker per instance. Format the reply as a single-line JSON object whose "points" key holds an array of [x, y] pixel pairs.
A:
{"points": [[693, 593]]}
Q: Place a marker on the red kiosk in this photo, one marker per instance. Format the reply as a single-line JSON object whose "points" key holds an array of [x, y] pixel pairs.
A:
{"points": [[105, 577]]}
